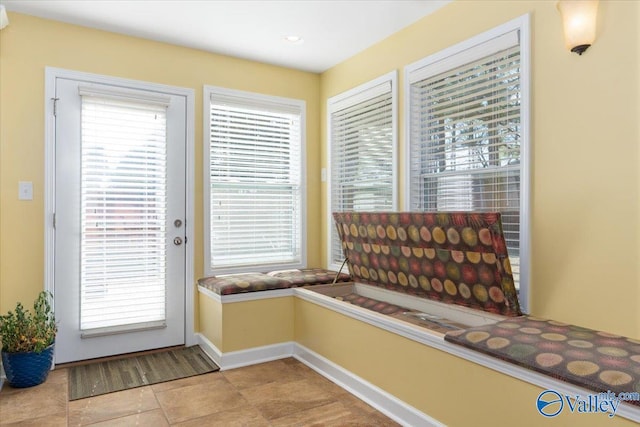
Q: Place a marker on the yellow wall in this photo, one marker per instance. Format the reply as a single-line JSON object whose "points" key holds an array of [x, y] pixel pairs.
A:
{"points": [[638, 160], [452, 390], [585, 141], [245, 325], [257, 323], [211, 319], [29, 44]]}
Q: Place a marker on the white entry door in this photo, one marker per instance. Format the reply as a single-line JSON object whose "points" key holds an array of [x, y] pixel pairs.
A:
{"points": [[119, 274]]}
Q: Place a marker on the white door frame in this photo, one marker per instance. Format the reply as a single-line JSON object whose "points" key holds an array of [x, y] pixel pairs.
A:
{"points": [[49, 178]]}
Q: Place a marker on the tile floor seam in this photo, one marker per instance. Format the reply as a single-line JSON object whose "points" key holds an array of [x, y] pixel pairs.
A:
{"points": [[254, 406], [239, 391], [164, 413], [250, 404], [298, 411], [262, 414], [111, 420], [66, 374]]}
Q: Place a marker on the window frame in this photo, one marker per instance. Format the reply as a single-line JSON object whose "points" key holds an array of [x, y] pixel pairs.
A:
{"points": [[355, 96], [252, 98], [476, 44]]}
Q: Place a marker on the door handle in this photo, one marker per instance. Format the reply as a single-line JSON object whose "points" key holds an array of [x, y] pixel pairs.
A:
{"points": [[177, 241]]}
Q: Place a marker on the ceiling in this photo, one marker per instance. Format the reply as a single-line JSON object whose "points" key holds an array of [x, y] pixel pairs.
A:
{"points": [[332, 30]]}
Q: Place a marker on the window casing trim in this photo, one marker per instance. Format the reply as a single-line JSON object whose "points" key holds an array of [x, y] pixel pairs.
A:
{"points": [[521, 23], [278, 103], [351, 97]]}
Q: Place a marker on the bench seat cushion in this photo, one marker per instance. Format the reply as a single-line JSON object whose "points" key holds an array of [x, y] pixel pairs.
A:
{"points": [[595, 360], [253, 282], [310, 276], [245, 282]]}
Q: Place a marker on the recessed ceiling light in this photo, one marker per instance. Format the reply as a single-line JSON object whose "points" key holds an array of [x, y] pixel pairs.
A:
{"points": [[294, 39]]}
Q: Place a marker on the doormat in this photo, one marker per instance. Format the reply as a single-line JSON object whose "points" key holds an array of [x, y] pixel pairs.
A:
{"points": [[99, 378]]}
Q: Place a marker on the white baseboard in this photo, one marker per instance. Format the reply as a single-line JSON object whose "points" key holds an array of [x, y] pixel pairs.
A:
{"points": [[240, 358], [210, 349], [382, 401]]}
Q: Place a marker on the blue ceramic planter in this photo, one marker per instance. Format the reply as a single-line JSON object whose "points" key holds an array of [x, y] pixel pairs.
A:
{"points": [[27, 369]]}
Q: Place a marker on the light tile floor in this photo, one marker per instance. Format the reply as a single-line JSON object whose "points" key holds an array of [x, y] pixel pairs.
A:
{"points": [[279, 393]]}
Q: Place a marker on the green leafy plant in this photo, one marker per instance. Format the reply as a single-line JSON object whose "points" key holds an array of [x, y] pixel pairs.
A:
{"points": [[22, 330]]}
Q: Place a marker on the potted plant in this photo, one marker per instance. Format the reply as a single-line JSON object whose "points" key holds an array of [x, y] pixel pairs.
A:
{"points": [[27, 342]]}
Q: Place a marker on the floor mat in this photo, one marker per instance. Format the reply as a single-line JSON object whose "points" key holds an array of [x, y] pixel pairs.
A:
{"points": [[115, 375]]}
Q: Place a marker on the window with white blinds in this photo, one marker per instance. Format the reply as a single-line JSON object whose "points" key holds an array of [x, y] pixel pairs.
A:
{"points": [[467, 134], [123, 211], [362, 153], [255, 182]]}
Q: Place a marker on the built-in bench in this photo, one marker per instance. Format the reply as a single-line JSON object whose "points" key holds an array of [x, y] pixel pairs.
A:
{"points": [[461, 259], [455, 262], [595, 360], [242, 312]]}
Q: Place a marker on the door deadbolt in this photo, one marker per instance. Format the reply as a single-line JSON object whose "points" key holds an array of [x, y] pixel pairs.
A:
{"points": [[177, 241], [177, 223]]}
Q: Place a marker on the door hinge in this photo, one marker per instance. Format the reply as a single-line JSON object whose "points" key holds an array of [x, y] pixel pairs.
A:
{"points": [[55, 106], [54, 221]]}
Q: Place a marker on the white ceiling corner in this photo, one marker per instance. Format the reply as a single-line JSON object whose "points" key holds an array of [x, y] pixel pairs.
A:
{"points": [[333, 30]]}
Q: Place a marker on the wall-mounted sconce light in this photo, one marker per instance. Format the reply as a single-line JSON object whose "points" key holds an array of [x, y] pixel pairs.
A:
{"points": [[579, 21], [4, 19]]}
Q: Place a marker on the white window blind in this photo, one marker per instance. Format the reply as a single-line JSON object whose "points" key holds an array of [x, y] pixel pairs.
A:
{"points": [[123, 204], [255, 182], [362, 154], [466, 132]]}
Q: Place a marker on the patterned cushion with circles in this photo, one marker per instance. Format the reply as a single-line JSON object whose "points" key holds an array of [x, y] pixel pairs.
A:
{"points": [[454, 257], [245, 282], [310, 276], [595, 360]]}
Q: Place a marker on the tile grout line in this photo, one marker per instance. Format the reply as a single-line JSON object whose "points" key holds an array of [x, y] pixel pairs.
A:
{"points": [[301, 378], [164, 413], [251, 404], [66, 383]]}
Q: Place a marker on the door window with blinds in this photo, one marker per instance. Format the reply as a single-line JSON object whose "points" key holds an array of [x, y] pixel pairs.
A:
{"points": [[255, 194], [362, 140], [123, 204], [468, 133]]}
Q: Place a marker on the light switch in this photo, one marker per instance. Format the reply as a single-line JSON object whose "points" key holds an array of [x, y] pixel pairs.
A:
{"points": [[25, 190], [323, 174]]}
